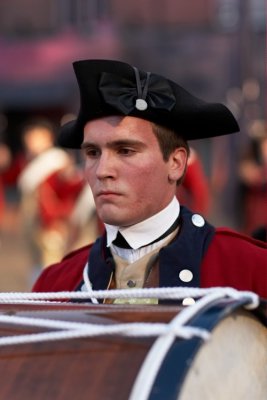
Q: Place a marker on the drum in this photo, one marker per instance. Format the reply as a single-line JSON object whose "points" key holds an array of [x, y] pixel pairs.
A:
{"points": [[231, 364]]}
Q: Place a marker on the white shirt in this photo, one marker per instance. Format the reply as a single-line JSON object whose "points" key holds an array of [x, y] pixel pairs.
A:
{"points": [[139, 235]]}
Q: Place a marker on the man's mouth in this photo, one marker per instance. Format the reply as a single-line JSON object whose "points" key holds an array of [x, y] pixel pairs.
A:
{"points": [[107, 193]]}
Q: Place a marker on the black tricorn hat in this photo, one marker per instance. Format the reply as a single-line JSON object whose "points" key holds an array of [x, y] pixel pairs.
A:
{"points": [[110, 87]]}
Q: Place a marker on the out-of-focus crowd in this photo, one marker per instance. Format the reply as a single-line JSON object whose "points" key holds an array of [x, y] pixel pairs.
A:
{"points": [[43, 187], [253, 182]]}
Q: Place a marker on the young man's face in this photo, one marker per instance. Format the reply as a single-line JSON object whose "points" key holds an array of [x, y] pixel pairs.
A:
{"points": [[125, 169]]}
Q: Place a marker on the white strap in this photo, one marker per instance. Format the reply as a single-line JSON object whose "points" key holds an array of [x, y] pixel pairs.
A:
{"points": [[87, 283]]}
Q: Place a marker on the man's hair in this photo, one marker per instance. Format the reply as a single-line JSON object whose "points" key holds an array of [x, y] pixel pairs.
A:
{"points": [[38, 122], [168, 141]]}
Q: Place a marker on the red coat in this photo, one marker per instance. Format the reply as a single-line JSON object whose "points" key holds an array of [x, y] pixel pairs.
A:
{"points": [[57, 196], [231, 259], [194, 191]]}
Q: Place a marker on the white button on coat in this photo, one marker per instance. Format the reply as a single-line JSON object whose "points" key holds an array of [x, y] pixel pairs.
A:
{"points": [[188, 301], [198, 220], [186, 275], [131, 283]]}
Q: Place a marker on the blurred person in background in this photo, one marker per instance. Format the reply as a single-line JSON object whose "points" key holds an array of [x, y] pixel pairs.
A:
{"points": [[253, 179], [5, 160], [9, 179], [50, 184], [133, 128], [85, 223]]}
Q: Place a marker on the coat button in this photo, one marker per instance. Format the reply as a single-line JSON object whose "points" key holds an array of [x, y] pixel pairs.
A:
{"points": [[188, 301], [198, 220], [131, 283], [186, 275]]}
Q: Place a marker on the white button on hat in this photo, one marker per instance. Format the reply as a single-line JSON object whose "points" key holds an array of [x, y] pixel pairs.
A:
{"points": [[141, 104], [198, 220], [186, 275]]}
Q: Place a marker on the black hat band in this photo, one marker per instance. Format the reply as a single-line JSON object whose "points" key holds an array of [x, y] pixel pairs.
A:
{"points": [[140, 102]]}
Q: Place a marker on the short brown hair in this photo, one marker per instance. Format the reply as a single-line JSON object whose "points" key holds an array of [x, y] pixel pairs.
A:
{"points": [[38, 122], [168, 141]]}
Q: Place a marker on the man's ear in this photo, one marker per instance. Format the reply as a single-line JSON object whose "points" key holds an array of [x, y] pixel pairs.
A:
{"points": [[177, 164]]}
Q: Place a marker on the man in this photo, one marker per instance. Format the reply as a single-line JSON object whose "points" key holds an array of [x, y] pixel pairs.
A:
{"points": [[133, 128], [49, 184]]}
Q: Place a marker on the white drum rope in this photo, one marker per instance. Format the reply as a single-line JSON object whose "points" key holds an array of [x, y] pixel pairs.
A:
{"points": [[72, 330], [167, 332], [173, 293]]}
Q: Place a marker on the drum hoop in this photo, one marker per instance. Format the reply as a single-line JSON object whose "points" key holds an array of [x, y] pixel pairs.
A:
{"points": [[170, 377]]}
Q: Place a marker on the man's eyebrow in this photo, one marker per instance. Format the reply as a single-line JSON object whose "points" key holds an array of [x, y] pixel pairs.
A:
{"points": [[87, 144], [115, 143], [125, 142]]}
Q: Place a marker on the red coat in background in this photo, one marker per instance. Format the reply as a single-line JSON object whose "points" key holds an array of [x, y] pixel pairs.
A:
{"points": [[57, 196], [194, 191], [5, 166], [50, 185]]}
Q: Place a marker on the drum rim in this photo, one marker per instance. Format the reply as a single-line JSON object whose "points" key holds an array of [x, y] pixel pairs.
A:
{"points": [[169, 380]]}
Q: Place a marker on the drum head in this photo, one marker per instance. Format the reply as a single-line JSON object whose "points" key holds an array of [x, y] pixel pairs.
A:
{"points": [[232, 364]]}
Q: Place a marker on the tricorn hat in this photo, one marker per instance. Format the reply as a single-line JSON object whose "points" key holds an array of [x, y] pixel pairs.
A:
{"points": [[110, 87]]}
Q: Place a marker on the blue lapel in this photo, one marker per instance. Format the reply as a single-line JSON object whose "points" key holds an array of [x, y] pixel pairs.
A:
{"points": [[185, 252]]}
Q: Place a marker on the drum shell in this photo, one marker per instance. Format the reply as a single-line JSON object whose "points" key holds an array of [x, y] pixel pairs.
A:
{"points": [[108, 367], [95, 368]]}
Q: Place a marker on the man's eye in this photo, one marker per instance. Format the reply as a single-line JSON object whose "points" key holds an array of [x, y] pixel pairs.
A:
{"points": [[125, 151], [92, 152]]}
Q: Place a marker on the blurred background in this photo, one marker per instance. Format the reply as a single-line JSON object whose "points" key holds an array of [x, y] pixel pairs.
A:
{"points": [[214, 48]]}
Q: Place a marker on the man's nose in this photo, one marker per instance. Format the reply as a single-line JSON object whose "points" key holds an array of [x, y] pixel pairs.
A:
{"points": [[105, 166]]}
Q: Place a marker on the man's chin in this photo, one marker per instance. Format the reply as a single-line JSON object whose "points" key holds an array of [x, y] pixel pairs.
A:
{"points": [[116, 215], [111, 219], [114, 220]]}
